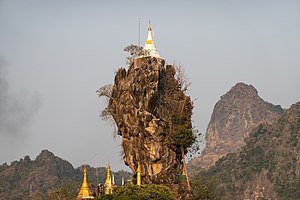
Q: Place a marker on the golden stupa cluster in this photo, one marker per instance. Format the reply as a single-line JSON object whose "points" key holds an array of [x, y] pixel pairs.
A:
{"points": [[108, 188]]}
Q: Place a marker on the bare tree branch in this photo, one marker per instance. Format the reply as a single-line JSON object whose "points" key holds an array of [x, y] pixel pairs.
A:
{"points": [[135, 51], [180, 76], [105, 91]]}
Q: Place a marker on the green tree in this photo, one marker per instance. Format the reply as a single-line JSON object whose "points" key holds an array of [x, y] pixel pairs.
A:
{"points": [[204, 189], [144, 192], [66, 192], [183, 137], [135, 51], [181, 134]]}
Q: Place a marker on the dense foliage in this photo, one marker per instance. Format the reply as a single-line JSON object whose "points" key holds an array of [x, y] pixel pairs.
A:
{"points": [[184, 136], [66, 192], [144, 192], [204, 189]]}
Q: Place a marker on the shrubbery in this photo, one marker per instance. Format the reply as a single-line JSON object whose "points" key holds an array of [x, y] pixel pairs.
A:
{"points": [[144, 192], [182, 135]]}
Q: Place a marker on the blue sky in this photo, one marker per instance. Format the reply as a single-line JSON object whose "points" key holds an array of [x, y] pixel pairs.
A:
{"points": [[56, 54]]}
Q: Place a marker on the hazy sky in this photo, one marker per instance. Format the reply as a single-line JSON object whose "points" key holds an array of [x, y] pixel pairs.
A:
{"points": [[54, 55]]}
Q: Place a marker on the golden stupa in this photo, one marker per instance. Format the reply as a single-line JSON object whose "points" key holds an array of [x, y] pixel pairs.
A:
{"points": [[108, 183], [138, 171], [84, 192]]}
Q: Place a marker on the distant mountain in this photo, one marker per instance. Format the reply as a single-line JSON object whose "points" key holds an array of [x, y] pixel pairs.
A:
{"points": [[235, 115], [268, 165], [47, 172]]}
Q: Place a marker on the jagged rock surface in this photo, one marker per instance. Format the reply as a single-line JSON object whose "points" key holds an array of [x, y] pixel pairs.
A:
{"points": [[235, 115], [268, 165], [143, 100]]}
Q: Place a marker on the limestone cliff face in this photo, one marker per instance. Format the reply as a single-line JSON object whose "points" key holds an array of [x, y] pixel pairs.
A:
{"points": [[268, 165], [143, 100], [234, 116]]}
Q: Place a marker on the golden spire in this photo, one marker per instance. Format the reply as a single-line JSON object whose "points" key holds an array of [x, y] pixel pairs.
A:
{"points": [[85, 192], [150, 34], [108, 186], [138, 171], [149, 27], [108, 175]]}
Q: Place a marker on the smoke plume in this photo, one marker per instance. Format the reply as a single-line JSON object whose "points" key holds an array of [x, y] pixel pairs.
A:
{"points": [[16, 110]]}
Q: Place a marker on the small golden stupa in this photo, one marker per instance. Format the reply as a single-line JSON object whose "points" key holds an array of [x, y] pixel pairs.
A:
{"points": [[138, 171], [108, 182], [84, 192]]}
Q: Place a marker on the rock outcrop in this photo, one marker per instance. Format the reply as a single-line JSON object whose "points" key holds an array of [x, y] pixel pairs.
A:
{"points": [[268, 165], [143, 101], [235, 115]]}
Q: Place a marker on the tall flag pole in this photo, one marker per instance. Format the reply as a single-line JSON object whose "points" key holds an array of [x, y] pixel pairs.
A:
{"points": [[139, 42]]}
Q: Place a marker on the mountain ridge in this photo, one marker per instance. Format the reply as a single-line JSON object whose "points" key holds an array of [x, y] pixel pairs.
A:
{"points": [[25, 178], [267, 167], [234, 116]]}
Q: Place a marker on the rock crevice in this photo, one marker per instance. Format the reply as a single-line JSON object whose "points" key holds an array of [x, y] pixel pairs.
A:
{"points": [[143, 101]]}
